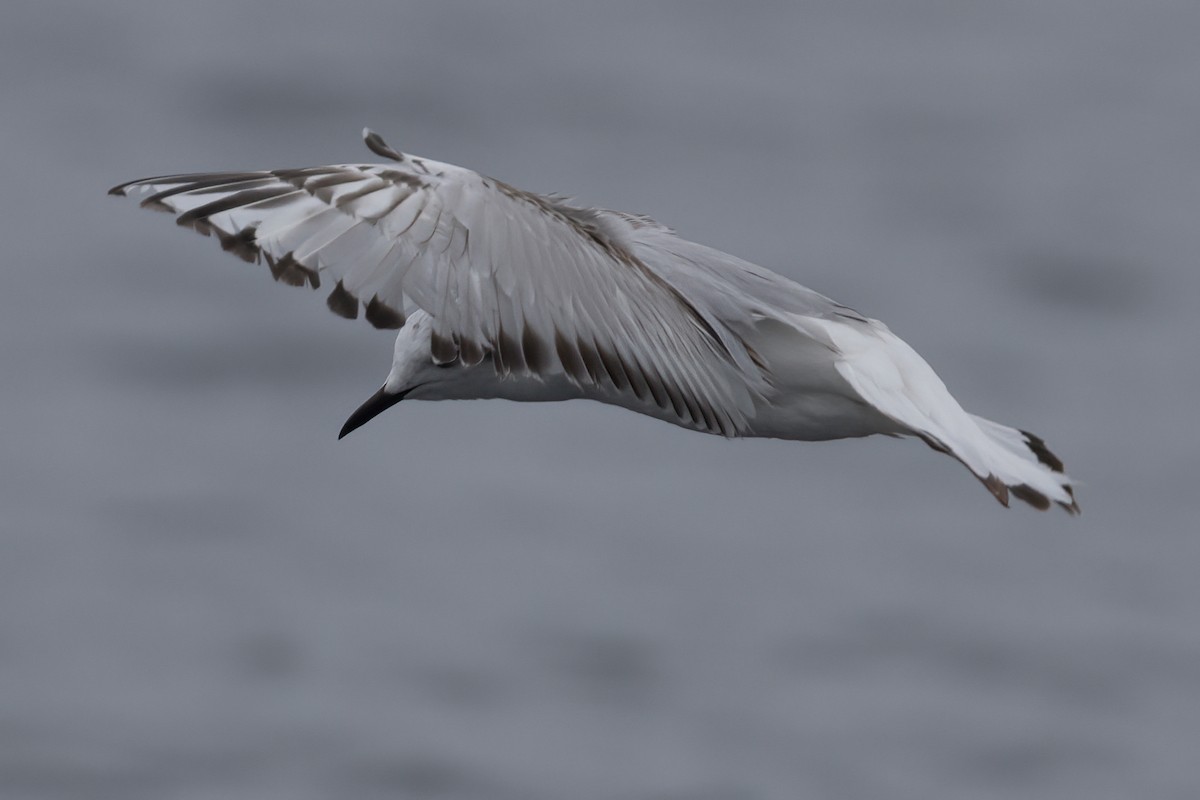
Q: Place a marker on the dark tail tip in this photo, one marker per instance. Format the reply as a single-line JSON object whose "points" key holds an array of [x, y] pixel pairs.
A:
{"points": [[1038, 447]]}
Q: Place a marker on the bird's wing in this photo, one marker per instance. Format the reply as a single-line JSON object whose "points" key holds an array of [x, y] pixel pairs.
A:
{"points": [[540, 286]]}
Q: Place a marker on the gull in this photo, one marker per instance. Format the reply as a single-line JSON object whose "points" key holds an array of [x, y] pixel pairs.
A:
{"points": [[499, 292]]}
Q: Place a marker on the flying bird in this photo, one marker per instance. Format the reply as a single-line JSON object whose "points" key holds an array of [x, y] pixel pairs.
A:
{"points": [[502, 293]]}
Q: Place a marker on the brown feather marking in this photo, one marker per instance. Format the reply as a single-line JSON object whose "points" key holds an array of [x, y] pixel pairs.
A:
{"points": [[310, 275], [383, 316], [342, 303], [155, 205], [638, 378], [235, 200], [639, 381], [1072, 508], [511, 359], [1032, 496], [658, 390], [569, 357], [200, 226], [534, 351], [184, 183], [470, 352], [297, 177], [694, 410], [402, 178], [350, 197], [591, 361], [287, 269], [343, 200], [997, 488], [614, 367], [676, 398], [443, 350], [278, 266], [280, 200], [325, 187], [243, 244], [758, 360], [1039, 449], [934, 444]]}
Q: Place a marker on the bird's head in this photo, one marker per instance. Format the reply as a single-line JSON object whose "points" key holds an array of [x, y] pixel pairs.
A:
{"points": [[413, 371]]}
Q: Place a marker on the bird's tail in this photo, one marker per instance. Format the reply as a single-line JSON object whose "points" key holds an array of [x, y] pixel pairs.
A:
{"points": [[1039, 471], [892, 377]]}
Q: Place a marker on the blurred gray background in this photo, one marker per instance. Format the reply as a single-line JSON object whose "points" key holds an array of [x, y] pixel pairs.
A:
{"points": [[203, 594]]}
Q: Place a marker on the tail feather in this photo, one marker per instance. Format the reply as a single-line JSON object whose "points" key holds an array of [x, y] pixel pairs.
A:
{"points": [[892, 377], [1031, 449]]}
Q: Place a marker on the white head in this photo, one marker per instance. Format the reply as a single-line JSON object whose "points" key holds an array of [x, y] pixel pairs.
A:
{"points": [[413, 370], [415, 374]]}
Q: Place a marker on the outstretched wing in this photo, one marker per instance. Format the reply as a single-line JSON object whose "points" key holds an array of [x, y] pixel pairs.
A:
{"points": [[538, 285]]}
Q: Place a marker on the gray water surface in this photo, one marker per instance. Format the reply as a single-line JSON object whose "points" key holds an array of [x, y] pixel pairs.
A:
{"points": [[203, 594]]}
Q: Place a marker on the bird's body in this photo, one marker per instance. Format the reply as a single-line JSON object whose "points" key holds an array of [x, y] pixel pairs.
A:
{"points": [[501, 293]]}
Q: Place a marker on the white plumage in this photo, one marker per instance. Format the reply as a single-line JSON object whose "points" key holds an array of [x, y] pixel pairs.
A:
{"points": [[499, 292]]}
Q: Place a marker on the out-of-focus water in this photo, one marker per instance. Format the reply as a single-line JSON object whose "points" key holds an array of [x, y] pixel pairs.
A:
{"points": [[203, 594]]}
